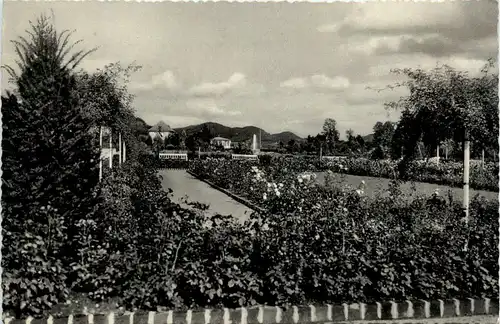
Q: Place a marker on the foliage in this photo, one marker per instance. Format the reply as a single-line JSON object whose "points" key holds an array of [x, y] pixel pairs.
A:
{"points": [[382, 138], [201, 139], [447, 104], [106, 102], [330, 133], [324, 244], [449, 173], [49, 169]]}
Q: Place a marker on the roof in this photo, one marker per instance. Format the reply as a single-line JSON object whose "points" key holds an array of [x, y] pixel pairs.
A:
{"points": [[161, 126], [218, 138]]}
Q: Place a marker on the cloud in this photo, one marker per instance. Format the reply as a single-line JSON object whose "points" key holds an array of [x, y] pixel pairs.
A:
{"points": [[163, 81], [322, 81], [425, 62], [444, 26], [166, 80], [296, 83], [393, 18], [167, 85], [318, 81], [208, 108], [432, 44], [237, 80]]}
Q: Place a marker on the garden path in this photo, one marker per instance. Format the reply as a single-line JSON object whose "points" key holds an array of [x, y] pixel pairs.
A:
{"points": [[182, 183]]}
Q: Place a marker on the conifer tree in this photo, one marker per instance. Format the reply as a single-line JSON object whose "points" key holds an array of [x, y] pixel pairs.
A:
{"points": [[48, 154]]}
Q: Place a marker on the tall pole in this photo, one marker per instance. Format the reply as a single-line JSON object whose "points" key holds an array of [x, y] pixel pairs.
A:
{"points": [[120, 148], [466, 176], [446, 152], [110, 148], [482, 157], [320, 152], [100, 153]]}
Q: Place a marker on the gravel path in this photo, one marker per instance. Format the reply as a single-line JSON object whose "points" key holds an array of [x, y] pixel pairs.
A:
{"points": [[182, 183]]}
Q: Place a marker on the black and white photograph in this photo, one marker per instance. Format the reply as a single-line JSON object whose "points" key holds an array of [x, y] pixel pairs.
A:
{"points": [[251, 162]]}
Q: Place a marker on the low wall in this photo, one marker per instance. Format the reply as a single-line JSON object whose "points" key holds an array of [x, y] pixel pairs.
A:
{"points": [[419, 311]]}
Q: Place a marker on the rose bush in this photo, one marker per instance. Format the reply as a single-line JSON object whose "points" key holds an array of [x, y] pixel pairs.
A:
{"points": [[313, 243], [317, 243], [482, 177]]}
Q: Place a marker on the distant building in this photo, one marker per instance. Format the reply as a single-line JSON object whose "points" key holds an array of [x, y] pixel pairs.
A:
{"points": [[160, 130], [221, 141]]}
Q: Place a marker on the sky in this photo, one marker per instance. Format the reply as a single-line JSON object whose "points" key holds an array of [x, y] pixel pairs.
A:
{"points": [[279, 66]]}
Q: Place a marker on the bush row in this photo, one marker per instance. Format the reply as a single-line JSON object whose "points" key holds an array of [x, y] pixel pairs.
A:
{"points": [[449, 173], [481, 177], [335, 243], [313, 244]]}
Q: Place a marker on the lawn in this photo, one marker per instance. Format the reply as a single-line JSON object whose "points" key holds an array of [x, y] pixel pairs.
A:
{"points": [[372, 185]]}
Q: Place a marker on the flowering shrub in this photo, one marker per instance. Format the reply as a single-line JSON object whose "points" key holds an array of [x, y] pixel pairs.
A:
{"points": [[443, 173], [317, 243], [313, 243]]}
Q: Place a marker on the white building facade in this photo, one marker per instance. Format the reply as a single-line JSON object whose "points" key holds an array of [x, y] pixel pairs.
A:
{"points": [[221, 141]]}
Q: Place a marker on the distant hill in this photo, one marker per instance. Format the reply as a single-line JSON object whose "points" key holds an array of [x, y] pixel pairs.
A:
{"points": [[239, 134]]}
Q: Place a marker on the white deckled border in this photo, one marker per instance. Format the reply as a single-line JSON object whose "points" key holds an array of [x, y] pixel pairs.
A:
{"points": [[312, 309], [244, 315], [226, 317], [279, 315], [329, 312], [207, 316], [295, 314], [300, 314]]}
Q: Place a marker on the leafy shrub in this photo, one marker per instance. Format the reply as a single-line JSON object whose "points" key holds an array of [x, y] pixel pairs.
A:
{"points": [[34, 278], [482, 177], [318, 243]]}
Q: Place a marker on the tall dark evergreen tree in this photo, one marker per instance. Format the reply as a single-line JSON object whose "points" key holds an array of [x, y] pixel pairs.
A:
{"points": [[49, 155]]}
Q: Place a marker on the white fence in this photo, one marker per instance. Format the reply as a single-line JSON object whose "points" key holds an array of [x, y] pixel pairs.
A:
{"points": [[173, 156], [243, 156]]}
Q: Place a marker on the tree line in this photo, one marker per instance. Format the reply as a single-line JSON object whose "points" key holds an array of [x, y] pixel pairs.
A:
{"points": [[444, 107]]}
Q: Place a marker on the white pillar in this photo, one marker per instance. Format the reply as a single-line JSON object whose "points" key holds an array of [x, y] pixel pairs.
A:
{"points": [[466, 176], [120, 148], [100, 153], [110, 148], [124, 152], [437, 153]]}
